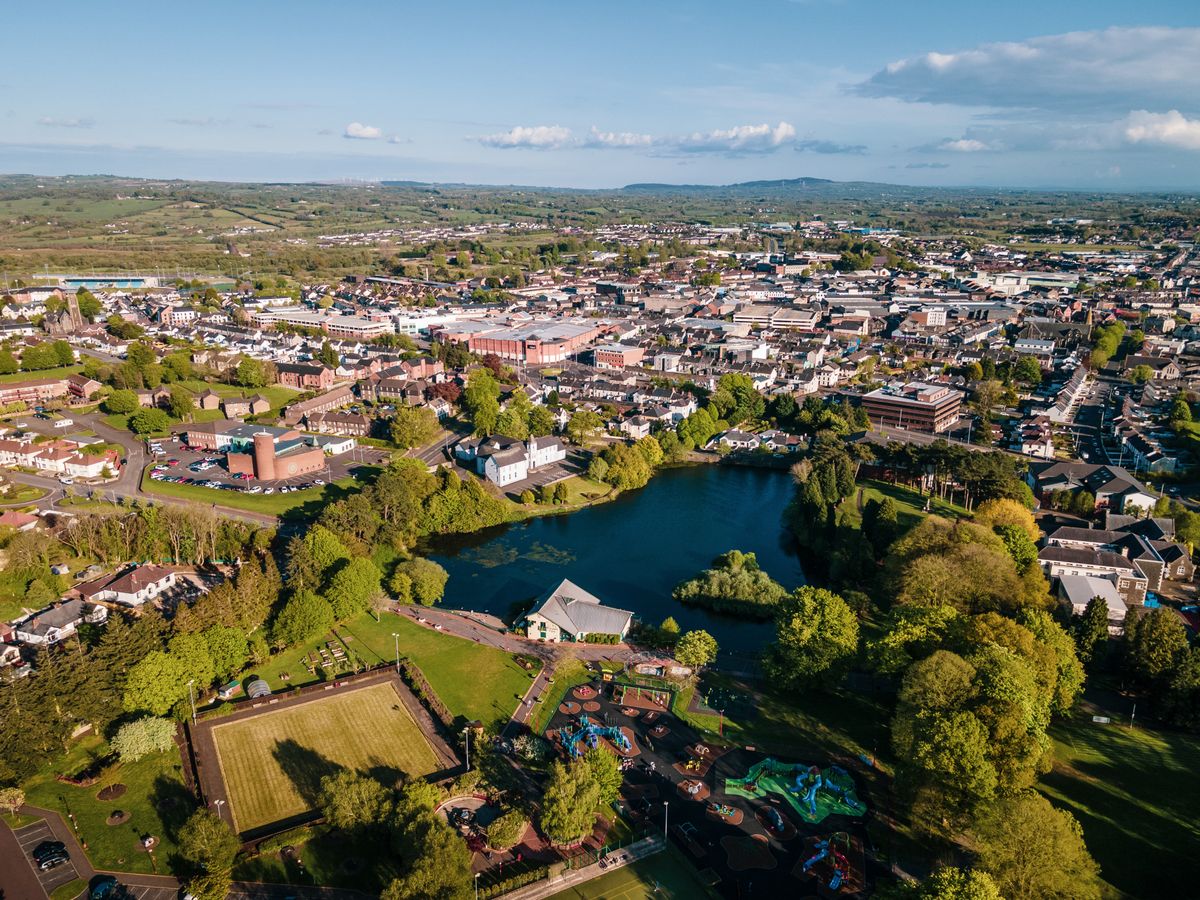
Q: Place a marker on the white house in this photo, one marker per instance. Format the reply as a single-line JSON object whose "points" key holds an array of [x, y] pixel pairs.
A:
{"points": [[133, 588], [504, 460], [569, 613], [57, 623]]}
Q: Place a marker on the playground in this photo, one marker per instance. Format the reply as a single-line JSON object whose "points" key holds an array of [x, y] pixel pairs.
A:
{"points": [[814, 793], [747, 823]]}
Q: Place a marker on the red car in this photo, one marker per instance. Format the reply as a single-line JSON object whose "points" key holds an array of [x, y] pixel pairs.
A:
{"points": [[172, 462]]}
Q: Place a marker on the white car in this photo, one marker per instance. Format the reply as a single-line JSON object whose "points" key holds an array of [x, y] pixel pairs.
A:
{"points": [[66, 480], [257, 489], [318, 482], [269, 491]]}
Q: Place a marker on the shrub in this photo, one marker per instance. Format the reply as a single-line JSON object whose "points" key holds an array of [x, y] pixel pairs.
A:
{"points": [[505, 831], [143, 737]]}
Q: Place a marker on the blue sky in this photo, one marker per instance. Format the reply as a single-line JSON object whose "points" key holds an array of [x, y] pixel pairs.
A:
{"points": [[1073, 94]]}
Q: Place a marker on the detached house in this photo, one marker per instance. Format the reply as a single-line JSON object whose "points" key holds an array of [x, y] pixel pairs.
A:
{"points": [[132, 588], [569, 613], [504, 460], [57, 623]]}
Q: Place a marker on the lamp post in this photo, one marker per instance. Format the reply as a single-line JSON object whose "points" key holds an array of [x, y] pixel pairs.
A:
{"points": [[192, 699], [396, 640], [218, 804], [666, 813], [467, 735], [477, 874]]}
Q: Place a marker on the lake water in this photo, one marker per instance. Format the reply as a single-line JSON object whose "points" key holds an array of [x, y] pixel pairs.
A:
{"points": [[633, 551]]}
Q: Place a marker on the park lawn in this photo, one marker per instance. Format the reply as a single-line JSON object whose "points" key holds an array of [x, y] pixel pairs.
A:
{"points": [[568, 674], [910, 505], [581, 492], [23, 493], [1135, 793], [276, 394], [663, 876], [476, 682], [302, 502], [273, 763], [60, 372], [156, 799]]}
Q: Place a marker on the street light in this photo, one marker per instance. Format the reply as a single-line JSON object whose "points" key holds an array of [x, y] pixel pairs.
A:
{"points": [[477, 874], [666, 813], [467, 734], [192, 699], [218, 804], [396, 640]]}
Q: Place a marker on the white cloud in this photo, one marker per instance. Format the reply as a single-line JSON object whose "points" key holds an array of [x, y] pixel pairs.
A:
{"points": [[1088, 71], [396, 139], [539, 137], [51, 122], [739, 139], [617, 139], [964, 145], [1171, 129], [360, 132], [829, 147]]}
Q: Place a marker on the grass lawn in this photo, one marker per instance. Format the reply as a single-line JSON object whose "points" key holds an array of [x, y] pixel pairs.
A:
{"points": [[1135, 793], [23, 493], [155, 798], [476, 682], [663, 876], [273, 763], [311, 500], [581, 492], [910, 505], [60, 372]]}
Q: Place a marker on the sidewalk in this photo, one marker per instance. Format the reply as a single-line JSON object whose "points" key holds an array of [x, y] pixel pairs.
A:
{"points": [[616, 860]]}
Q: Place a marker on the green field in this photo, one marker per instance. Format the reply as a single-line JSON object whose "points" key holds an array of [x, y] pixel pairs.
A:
{"points": [[273, 763], [664, 876], [61, 372], [910, 505], [476, 682], [1136, 795]]}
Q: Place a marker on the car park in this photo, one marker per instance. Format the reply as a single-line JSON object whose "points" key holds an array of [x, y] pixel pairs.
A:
{"points": [[53, 860], [47, 848]]}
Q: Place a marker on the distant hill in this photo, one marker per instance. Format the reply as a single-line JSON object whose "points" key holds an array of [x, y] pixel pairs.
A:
{"points": [[779, 184]]}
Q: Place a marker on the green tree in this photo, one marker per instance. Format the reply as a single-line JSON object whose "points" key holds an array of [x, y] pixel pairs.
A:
{"points": [[142, 737], [735, 583], [1091, 631], [351, 801], [427, 579], [1023, 551], [121, 402], [816, 638], [583, 425], [1028, 370], [481, 401], [155, 684], [1035, 851], [696, 649], [313, 556], [1154, 645], [569, 802], [303, 617], [1140, 374], [208, 847], [8, 362], [228, 648], [506, 830], [438, 863], [251, 373], [541, 422], [194, 659], [329, 356], [181, 402], [353, 587], [149, 421], [11, 799], [414, 426]]}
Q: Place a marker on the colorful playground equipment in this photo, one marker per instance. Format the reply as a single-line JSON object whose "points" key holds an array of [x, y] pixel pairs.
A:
{"points": [[831, 862], [589, 734], [812, 792]]}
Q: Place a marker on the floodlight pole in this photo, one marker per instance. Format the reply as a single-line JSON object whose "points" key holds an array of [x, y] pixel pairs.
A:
{"points": [[666, 813], [396, 640], [192, 699]]}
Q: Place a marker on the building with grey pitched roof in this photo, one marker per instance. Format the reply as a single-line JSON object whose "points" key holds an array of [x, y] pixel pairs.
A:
{"points": [[569, 613]]}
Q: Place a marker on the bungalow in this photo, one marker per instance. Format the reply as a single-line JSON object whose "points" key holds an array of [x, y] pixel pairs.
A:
{"points": [[736, 440], [569, 613], [10, 518], [132, 588], [59, 622]]}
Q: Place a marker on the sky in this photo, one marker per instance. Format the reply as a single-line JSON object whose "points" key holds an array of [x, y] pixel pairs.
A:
{"points": [[1096, 95]]}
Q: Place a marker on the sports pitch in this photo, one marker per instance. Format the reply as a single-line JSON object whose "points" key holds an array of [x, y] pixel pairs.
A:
{"points": [[663, 876], [272, 764]]}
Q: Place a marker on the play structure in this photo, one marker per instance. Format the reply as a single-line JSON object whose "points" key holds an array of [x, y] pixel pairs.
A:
{"points": [[836, 862], [589, 734], [812, 792], [633, 696]]}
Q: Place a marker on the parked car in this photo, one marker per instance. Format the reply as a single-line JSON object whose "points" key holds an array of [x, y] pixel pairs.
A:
{"points": [[47, 848], [53, 860]]}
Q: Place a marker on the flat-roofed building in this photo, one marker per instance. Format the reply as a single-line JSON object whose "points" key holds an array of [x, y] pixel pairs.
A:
{"points": [[917, 406], [534, 343]]}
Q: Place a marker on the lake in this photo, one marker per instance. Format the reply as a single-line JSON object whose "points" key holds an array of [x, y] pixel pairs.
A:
{"points": [[632, 551]]}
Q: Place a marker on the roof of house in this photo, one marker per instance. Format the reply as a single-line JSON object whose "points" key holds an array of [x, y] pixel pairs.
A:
{"points": [[576, 611], [1085, 556], [1080, 589], [14, 519], [55, 617]]}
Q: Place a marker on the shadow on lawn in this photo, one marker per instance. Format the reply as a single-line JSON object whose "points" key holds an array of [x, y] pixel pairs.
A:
{"points": [[305, 768]]}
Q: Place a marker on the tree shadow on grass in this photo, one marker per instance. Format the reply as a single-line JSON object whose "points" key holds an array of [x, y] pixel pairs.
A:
{"points": [[174, 805], [388, 776], [305, 768]]}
